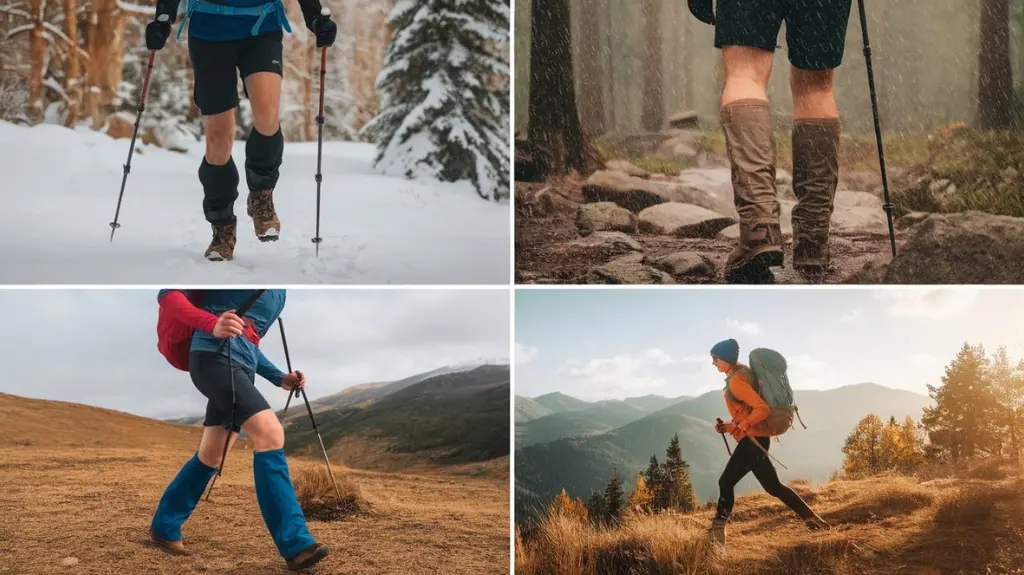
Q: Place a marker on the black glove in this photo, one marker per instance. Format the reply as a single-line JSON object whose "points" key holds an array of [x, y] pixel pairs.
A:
{"points": [[157, 34], [325, 30]]}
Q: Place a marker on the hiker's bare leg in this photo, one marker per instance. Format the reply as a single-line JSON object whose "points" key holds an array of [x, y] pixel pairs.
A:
{"points": [[211, 447], [815, 136], [747, 71], [220, 137], [264, 89], [814, 94], [264, 150], [265, 431]]}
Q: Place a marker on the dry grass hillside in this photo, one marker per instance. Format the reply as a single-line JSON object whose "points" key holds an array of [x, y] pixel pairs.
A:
{"points": [[964, 522], [80, 485]]}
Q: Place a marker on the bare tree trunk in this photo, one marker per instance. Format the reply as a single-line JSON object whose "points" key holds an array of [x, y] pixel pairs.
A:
{"points": [[652, 116], [995, 71], [106, 59], [72, 70], [35, 80], [591, 71], [554, 122], [610, 61]]}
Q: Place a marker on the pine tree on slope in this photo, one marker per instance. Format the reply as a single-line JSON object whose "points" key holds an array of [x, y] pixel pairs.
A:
{"points": [[440, 116]]}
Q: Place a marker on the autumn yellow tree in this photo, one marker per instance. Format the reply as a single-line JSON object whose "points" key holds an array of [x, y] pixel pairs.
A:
{"points": [[642, 498], [863, 447], [911, 447], [565, 507], [874, 447]]}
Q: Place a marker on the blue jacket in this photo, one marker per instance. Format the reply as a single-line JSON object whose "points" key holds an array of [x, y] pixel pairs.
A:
{"points": [[218, 27], [263, 314]]}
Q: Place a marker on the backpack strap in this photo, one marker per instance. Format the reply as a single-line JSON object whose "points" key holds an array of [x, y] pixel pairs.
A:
{"points": [[261, 11], [750, 377]]}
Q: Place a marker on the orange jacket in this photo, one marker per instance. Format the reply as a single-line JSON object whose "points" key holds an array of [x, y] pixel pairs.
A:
{"points": [[744, 404]]}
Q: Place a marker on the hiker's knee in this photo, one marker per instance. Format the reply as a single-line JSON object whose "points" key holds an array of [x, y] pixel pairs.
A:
{"points": [[813, 93], [265, 431], [747, 71], [211, 448], [264, 89], [220, 137]]}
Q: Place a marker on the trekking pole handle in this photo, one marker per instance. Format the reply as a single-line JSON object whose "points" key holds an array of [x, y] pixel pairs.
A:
{"points": [[724, 440], [325, 11]]}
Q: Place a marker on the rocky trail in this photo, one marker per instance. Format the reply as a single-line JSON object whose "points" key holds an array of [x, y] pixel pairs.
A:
{"points": [[624, 225]]}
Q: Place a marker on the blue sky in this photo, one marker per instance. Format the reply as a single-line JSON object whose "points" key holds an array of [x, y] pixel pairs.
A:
{"points": [[617, 343], [98, 347]]}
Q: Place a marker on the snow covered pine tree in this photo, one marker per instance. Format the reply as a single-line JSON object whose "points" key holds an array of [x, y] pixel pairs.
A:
{"points": [[441, 114]]}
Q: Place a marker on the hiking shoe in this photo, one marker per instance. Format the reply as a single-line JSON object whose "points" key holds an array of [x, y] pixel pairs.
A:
{"points": [[308, 557], [260, 207], [172, 547], [815, 179], [717, 532], [222, 247], [759, 248], [816, 523]]}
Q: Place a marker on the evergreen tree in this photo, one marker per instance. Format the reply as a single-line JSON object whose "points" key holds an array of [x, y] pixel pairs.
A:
{"points": [[444, 87], [1008, 387], [655, 481], [678, 489], [641, 499], [563, 506], [963, 422], [597, 508], [613, 498]]}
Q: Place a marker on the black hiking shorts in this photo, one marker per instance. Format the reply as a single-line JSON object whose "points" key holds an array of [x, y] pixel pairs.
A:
{"points": [[211, 377], [217, 66], [815, 29]]}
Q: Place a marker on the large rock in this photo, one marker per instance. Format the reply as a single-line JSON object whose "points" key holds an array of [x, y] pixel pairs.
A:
{"points": [[636, 194], [685, 120], [631, 269], [607, 240], [628, 168], [685, 264], [683, 220], [604, 216], [965, 248]]}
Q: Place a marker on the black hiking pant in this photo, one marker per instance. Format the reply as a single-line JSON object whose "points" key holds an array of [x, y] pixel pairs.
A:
{"points": [[745, 458], [211, 374]]}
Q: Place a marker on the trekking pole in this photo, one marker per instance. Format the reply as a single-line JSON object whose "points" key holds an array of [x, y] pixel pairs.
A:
{"points": [[320, 137], [761, 447], [888, 205], [288, 361], [135, 132], [231, 374], [724, 440]]}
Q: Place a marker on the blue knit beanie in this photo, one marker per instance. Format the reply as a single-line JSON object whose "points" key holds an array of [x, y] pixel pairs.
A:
{"points": [[728, 351]]}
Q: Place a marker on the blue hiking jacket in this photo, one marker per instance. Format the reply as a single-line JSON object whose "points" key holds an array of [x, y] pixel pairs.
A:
{"points": [[216, 27], [263, 314]]}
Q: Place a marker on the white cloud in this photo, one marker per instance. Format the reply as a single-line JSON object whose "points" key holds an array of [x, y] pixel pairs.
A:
{"points": [[746, 327], [623, 375], [932, 303], [659, 357], [525, 353], [807, 372], [855, 316]]}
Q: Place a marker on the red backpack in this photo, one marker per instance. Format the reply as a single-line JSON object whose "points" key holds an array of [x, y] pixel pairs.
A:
{"points": [[173, 338]]}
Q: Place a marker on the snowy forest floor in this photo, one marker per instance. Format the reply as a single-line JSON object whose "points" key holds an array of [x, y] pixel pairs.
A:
{"points": [[62, 188]]}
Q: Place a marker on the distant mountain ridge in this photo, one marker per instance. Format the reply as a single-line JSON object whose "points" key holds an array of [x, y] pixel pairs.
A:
{"points": [[580, 464]]}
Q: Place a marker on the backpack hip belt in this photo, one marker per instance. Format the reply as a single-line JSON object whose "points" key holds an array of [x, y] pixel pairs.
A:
{"points": [[273, 7]]}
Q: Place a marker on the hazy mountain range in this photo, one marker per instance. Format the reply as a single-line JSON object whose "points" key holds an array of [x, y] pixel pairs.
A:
{"points": [[564, 442]]}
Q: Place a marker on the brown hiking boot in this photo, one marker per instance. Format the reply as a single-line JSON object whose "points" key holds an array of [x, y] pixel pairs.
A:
{"points": [[308, 557], [750, 144], [172, 547], [222, 247], [264, 217], [815, 178]]}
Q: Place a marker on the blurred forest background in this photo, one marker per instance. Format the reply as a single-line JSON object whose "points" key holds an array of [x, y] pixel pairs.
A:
{"points": [[635, 63]]}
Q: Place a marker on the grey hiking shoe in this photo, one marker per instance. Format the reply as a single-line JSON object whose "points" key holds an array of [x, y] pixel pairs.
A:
{"points": [[260, 207], [717, 532], [222, 247], [308, 557]]}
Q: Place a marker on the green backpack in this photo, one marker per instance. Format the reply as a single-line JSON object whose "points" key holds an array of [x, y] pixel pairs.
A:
{"points": [[768, 374]]}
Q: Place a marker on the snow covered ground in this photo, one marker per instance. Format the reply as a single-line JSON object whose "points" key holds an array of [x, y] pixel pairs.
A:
{"points": [[60, 191]]}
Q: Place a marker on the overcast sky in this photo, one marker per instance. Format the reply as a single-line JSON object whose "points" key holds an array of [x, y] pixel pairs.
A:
{"points": [[612, 344], [98, 347]]}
